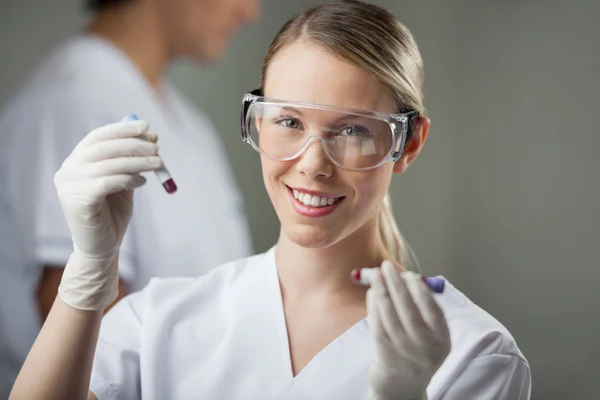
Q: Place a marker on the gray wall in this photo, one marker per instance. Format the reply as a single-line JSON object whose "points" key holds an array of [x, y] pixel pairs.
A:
{"points": [[528, 187], [505, 197]]}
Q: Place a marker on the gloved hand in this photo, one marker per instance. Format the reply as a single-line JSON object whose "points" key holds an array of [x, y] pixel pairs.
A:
{"points": [[411, 335], [95, 187]]}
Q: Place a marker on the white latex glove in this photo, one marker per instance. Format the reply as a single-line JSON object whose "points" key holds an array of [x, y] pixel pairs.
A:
{"points": [[411, 335], [95, 187]]}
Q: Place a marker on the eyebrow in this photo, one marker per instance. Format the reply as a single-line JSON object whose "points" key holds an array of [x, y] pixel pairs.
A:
{"points": [[292, 110], [296, 111]]}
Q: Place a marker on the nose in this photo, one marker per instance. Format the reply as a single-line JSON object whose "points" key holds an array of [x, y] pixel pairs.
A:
{"points": [[250, 10], [314, 161]]}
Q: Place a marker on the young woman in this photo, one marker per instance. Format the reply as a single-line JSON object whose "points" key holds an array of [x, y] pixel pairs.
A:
{"points": [[340, 110]]}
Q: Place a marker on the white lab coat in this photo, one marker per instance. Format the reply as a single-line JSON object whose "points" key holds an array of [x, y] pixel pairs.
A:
{"points": [[223, 336], [85, 83]]}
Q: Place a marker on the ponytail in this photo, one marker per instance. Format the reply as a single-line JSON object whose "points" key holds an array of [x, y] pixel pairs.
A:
{"points": [[397, 247]]}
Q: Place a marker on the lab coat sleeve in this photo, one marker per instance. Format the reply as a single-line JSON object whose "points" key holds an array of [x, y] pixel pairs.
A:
{"points": [[116, 369], [59, 123], [490, 377]]}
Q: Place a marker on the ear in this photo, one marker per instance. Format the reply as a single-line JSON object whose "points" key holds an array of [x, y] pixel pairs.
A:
{"points": [[415, 145]]}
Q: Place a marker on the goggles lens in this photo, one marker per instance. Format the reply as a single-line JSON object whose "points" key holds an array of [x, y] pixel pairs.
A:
{"points": [[282, 132]]}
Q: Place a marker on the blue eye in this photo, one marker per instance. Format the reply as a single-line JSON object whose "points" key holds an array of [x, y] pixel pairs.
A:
{"points": [[355, 131]]}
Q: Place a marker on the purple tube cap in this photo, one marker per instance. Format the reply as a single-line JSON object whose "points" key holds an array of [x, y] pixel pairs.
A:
{"points": [[436, 284]]}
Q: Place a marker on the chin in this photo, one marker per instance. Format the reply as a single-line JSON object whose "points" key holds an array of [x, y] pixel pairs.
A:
{"points": [[206, 55], [310, 237], [214, 56]]}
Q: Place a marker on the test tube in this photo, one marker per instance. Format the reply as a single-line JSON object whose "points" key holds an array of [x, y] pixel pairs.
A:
{"points": [[162, 174], [364, 276]]}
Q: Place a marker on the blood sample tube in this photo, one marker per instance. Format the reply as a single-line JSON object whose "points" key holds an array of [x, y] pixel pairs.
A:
{"points": [[162, 174], [363, 276]]}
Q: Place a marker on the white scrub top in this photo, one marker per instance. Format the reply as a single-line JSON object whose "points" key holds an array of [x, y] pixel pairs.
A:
{"points": [[85, 83], [223, 336]]}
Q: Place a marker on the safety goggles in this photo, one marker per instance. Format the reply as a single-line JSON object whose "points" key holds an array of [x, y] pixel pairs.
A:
{"points": [[353, 139]]}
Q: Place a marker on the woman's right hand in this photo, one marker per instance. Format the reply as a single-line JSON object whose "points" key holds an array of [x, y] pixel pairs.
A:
{"points": [[95, 187]]}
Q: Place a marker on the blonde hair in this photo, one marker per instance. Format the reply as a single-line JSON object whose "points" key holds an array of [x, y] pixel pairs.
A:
{"points": [[371, 38], [397, 247]]}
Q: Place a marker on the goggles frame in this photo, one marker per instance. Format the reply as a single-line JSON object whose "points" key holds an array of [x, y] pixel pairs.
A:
{"points": [[401, 125]]}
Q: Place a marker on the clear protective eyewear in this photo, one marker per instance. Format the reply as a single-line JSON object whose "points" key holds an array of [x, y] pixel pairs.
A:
{"points": [[353, 139]]}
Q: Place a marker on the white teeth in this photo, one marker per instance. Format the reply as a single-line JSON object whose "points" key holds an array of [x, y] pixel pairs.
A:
{"points": [[314, 201]]}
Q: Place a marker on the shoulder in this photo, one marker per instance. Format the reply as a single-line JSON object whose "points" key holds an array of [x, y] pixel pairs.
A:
{"points": [[185, 300], [59, 114], [61, 96], [484, 361], [168, 294], [474, 332], [193, 115]]}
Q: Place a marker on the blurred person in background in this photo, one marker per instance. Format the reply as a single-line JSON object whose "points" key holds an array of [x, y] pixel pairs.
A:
{"points": [[116, 66]]}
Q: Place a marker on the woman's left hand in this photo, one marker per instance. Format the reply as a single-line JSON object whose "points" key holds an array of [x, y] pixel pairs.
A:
{"points": [[411, 335]]}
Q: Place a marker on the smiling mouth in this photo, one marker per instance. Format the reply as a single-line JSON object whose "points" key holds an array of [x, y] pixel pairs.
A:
{"points": [[315, 201]]}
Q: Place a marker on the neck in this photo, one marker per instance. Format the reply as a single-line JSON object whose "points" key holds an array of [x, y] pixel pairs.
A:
{"points": [[325, 272], [137, 31]]}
